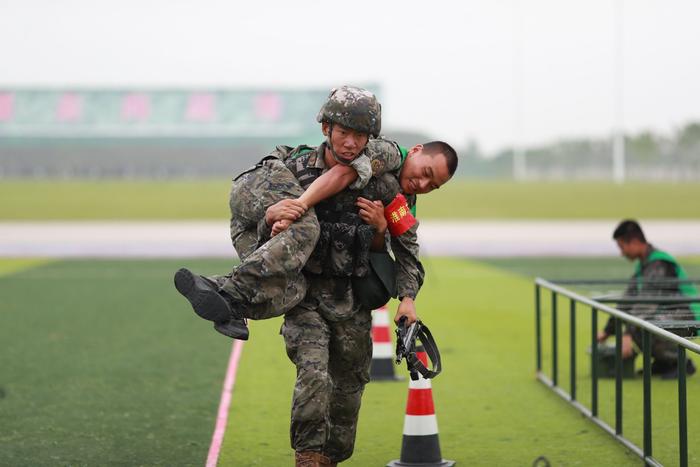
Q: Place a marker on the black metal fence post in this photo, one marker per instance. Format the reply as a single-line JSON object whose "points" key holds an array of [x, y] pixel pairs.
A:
{"points": [[646, 349], [554, 340], [538, 328], [682, 409], [618, 376], [572, 347], [649, 331], [594, 362]]}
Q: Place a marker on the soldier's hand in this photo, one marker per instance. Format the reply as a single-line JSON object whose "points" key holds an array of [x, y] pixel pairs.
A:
{"points": [[372, 212], [406, 308], [289, 209], [280, 226]]}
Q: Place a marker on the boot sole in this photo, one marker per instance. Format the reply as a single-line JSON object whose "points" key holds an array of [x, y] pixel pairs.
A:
{"points": [[235, 333], [207, 303]]}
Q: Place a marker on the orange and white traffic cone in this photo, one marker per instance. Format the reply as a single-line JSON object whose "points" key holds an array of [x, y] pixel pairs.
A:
{"points": [[382, 367], [421, 445]]}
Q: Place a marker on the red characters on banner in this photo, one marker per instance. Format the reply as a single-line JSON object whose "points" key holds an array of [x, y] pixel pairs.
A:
{"points": [[398, 216]]}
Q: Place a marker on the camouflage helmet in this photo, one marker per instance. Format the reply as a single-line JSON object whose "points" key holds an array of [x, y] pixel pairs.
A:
{"points": [[354, 108]]}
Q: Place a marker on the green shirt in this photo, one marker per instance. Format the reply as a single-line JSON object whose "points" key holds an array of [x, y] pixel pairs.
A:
{"points": [[686, 288]]}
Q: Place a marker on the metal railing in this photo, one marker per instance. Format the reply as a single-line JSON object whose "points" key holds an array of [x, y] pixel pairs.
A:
{"points": [[648, 329]]}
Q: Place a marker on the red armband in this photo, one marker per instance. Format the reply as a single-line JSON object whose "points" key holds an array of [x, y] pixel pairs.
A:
{"points": [[398, 216]]}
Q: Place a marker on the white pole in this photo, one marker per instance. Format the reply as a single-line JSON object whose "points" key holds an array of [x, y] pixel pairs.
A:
{"points": [[519, 164], [618, 132]]}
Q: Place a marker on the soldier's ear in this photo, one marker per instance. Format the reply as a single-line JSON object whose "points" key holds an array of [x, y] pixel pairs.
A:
{"points": [[415, 149], [324, 128]]}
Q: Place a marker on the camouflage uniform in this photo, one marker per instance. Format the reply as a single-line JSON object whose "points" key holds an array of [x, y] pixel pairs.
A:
{"points": [[664, 352], [327, 335], [386, 157], [268, 282]]}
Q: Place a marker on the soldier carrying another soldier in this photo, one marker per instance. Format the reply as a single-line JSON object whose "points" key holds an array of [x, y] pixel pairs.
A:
{"points": [[327, 323]]}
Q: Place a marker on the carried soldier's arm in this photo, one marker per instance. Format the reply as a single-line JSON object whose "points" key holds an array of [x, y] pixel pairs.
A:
{"points": [[382, 156], [336, 179], [339, 177]]}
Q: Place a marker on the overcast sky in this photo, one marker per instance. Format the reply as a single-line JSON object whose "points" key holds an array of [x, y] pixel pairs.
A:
{"points": [[493, 71]]}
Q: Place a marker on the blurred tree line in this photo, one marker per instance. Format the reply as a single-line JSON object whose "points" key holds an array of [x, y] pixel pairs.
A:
{"points": [[649, 156]]}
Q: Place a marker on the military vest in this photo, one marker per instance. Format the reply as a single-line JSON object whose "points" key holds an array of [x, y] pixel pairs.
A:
{"points": [[345, 240], [687, 289]]}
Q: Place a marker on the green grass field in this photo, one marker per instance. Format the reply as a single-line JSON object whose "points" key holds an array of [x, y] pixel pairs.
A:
{"points": [[103, 363], [460, 199]]}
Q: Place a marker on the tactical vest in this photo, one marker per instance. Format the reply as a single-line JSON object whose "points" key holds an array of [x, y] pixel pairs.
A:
{"points": [[686, 288], [345, 240]]}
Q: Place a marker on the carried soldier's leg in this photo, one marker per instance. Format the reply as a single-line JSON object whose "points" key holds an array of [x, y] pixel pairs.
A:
{"points": [[349, 362], [268, 282], [306, 336], [206, 300]]}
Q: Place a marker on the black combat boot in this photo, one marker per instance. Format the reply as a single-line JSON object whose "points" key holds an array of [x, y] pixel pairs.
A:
{"points": [[673, 373], [211, 304]]}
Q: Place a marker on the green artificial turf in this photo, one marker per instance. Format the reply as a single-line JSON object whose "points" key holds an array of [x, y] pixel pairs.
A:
{"points": [[460, 199], [664, 393], [103, 363], [490, 408]]}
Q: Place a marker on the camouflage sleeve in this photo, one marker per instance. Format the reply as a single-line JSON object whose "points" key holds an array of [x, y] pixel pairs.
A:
{"points": [[362, 166], [409, 269], [264, 231], [384, 156], [252, 192]]}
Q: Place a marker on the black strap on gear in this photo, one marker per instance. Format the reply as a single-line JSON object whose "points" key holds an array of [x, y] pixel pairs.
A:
{"points": [[406, 337]]}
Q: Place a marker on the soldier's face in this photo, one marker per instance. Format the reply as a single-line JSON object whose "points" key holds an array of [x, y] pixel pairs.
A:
{"points": [[632, 249], [423, 173], [346, 142]]}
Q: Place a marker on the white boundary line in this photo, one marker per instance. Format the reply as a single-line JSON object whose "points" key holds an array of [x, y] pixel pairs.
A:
{"points": [[120, 239], [222, 416]]}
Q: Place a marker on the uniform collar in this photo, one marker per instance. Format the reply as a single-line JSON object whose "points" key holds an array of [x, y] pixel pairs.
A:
{"points": [[318, 161]]}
